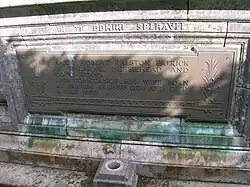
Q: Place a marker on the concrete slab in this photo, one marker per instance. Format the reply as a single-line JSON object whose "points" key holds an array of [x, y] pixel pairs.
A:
{"points": [[202, 184], [23, 175]]}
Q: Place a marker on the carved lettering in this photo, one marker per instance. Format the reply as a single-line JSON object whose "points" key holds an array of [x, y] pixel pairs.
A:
{"points": [[169, 26], [153, 82], [122, 26], [177, 66], [178, 86], [179, 70], [60, 29], [178, 83], [78, 28], [112, 27]]}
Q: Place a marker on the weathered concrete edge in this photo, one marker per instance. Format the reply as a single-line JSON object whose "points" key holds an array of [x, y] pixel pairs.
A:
{"points": [[143, 154], [28, 175], [201, 184], [146, 170], [219, 15], [191, 15], [96, 16], [159, 171]]}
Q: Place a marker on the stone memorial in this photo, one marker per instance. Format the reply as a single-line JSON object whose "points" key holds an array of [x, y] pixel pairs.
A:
{"points": [[159, 87], [162, 80]]}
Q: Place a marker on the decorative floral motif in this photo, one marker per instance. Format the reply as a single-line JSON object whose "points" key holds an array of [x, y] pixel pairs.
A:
{"points": [[211, 76]]}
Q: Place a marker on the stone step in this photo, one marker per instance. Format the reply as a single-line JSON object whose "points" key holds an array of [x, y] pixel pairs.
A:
{"points": [[16, 175]]}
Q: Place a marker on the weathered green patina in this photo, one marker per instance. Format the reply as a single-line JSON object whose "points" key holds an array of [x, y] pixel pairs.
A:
{"points": [[165, 130]]}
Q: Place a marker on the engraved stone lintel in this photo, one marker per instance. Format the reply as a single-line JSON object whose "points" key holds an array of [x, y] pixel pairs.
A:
{"points": [[135, 26]]}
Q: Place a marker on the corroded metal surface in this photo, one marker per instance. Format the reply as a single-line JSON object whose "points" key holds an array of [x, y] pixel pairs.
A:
{"points": [[196, 86], [167, 130]]}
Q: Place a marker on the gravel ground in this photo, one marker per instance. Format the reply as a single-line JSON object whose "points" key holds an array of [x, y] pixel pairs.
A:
{"points": [[28, 176]]}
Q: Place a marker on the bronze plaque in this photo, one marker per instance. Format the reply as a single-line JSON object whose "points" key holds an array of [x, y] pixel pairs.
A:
{"points": [[195, 86]]}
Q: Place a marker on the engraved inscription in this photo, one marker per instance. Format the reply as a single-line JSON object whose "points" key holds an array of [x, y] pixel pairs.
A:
{"points": [[160, 26], [108, 27], [141, 26], [104, 27], [195, 87]]}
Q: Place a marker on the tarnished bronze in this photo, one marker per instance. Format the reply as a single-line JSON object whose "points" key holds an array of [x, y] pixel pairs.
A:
{"points": [[196, 86]]}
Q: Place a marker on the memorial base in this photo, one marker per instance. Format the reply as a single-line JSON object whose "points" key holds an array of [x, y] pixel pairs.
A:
{"points": [[116, 173]]}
